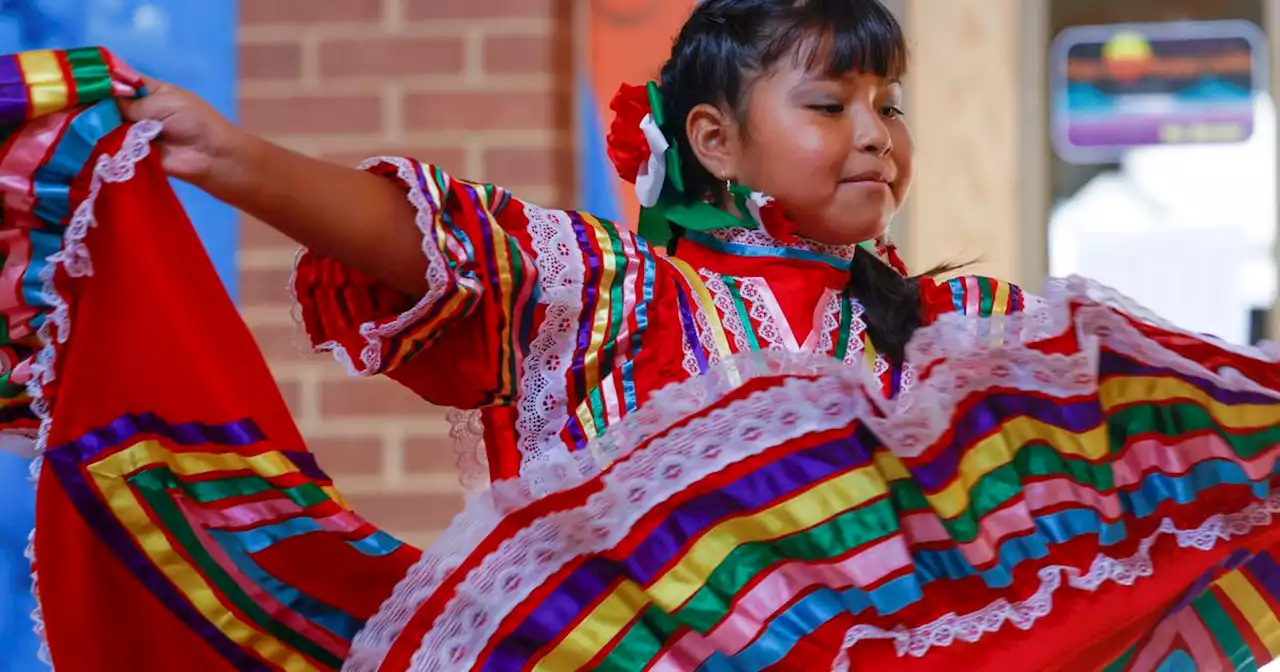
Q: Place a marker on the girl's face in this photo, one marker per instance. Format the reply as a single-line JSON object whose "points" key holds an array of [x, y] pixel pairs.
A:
{"points": [[834, 151]]}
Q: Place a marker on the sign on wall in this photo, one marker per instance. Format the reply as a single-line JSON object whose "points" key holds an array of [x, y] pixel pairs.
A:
{"points": [[1133, 85]]}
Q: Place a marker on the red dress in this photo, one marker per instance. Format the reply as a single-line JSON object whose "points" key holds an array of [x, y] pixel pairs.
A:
{"points": [[558, 324], [699, 460]]}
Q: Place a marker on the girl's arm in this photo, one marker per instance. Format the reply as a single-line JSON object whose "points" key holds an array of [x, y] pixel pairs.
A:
{"points": [[507, 285], [353, 217]]}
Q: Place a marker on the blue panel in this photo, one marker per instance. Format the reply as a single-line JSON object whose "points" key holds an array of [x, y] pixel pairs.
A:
{"points": [[192, 44]]}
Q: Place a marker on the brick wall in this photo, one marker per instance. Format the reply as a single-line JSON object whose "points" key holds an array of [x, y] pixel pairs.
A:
{"points": [[479, 87]]}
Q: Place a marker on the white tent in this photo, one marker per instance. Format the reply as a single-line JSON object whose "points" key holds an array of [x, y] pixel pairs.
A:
{"points": [[1186, 231]]}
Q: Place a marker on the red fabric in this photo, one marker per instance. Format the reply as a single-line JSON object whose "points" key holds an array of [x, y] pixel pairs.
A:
{"points": [[936, 299], [1069, 637], [627, 146], [777, 222], [154, 332], [97, 614]]}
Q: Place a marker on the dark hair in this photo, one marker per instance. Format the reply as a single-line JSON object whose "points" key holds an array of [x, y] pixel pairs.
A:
{"points": [[726, 44]]}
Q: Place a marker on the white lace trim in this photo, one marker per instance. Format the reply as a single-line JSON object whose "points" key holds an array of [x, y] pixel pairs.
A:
{"points": [[666, 466], [761, 238], [961, 349], [757, 294], [466, 430], [829, 325], [689, 361], [908, 378], [705, 336], [665, 408], [1107, 296], [729, 316], [854, 352], [651, 460], [542, 410], [857, 332], [879, 368], [74, 259], [437, 275], [971, 627]]}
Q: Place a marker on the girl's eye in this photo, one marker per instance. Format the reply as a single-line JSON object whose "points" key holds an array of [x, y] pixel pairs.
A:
{"points": [[832, 109], [892, 111]]}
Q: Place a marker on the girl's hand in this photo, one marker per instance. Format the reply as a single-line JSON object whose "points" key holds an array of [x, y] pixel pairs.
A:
{"points": [[198, 144], [349, 215]]}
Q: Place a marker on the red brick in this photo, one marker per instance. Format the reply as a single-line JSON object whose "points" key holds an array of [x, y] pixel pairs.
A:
{"points": [[430, 455], [391, 57], [353, 456], [419, 10], [264, 286], [478, 111], [517, 54], [254, 235], [291, 390], [282, 342], [519, 167], [271, 61], [312, 114], [309, 11], [451, 159], [377, 397], [408, 512]]}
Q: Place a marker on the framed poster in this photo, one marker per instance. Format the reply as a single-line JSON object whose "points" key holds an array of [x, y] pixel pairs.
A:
{"points": [[1133, 85], [192, 44]]}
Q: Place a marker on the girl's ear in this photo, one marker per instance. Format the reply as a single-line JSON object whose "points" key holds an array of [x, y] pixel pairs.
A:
{"points": [[713, 138]]}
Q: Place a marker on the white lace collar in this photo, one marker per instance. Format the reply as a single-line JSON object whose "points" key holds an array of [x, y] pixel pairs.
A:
{"points": [[760, 238]]}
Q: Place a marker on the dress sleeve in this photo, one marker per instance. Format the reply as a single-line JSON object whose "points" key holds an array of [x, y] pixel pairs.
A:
{"points": [[973, 295], [455, 345]]}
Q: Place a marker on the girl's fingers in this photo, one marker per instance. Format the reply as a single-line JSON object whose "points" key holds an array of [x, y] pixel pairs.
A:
{"points": [[135, 109], [153, 85]]}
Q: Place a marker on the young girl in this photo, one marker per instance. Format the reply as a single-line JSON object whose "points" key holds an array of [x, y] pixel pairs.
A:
{"points": [[710, 445], [559, 324]]}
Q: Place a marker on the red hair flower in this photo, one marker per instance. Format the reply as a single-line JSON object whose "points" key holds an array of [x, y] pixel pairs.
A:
{"points": [[628, 148], [637, 146]]}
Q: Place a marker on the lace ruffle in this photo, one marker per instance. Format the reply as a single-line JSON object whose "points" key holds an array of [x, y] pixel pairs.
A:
{"points": [[73, 259], [760, 238], [466, 430], [648, 460], [376, 334], [543, 408], [1022, 615]]}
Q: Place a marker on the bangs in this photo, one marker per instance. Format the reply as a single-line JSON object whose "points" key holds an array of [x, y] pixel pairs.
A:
{"points": [[836, 37]]}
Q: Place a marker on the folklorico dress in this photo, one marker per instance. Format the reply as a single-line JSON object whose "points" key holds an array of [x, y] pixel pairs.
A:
{"points": [[686, 461]]}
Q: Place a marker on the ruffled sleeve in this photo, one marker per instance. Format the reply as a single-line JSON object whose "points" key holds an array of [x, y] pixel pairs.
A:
{"points": [[971, 295], [456, 344], [57, 107], [536, 316]]}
